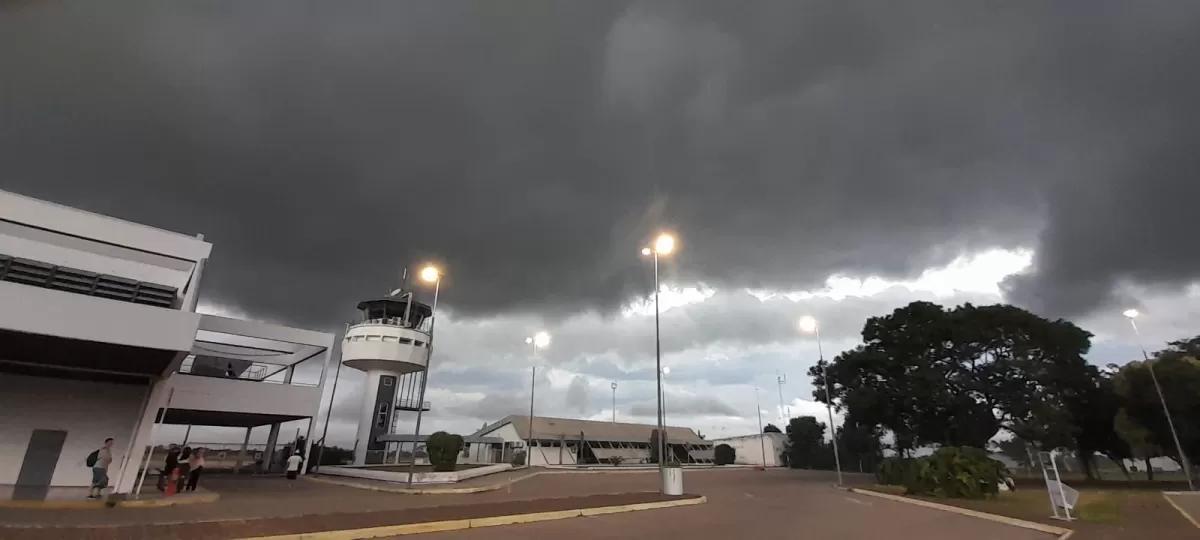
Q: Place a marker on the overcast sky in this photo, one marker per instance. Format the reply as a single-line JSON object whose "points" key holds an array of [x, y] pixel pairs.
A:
{"points": [[838, 157]]}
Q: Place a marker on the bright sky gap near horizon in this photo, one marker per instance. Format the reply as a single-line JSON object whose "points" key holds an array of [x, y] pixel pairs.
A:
{"points": [[829, 158]]}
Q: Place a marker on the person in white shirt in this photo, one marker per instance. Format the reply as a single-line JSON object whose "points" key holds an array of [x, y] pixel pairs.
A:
{"points": [[293, 465], [100, 460], [195, 467]]}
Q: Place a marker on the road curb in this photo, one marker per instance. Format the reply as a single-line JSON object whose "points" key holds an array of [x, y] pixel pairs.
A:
{"points": [[422, 491], [475, 523], [480, 489], [178, 500], [1062, 533], [1187, 516]]}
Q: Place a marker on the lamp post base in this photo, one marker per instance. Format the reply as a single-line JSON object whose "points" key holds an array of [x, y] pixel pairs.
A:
{"points": [[672, 481]]}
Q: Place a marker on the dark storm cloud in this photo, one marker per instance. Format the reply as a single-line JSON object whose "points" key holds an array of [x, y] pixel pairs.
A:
{"points": [[531, 146]]}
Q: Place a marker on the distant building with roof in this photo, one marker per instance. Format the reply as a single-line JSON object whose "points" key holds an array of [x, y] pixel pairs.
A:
{"points": [[760, 449], [569, 441]]}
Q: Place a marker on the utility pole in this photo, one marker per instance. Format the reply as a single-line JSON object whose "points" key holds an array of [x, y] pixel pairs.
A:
{"points": [[780, 379]]}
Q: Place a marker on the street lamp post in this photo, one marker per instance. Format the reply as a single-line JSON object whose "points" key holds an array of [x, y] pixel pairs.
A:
{"points": [[614, 389], [538, 340], [1132, 314], [762, 444], [809, 325], [663, 245], [784, 414], [329, 413], [666, 370], [430, 274]]}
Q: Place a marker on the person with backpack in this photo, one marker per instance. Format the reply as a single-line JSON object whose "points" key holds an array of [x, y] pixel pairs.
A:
{"points": [[99, 460]]}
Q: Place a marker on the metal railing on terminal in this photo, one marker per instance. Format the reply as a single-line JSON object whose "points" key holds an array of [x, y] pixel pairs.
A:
{"points": [[239, 370], [411, 405], [396, 321]]}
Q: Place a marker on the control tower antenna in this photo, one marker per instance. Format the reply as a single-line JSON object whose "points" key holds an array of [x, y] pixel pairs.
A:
{"points": [[403, 286]]}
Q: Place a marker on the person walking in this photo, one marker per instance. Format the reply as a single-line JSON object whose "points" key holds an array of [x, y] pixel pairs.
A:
{"points": [[196, 464], [99, 460], [293, 465]]}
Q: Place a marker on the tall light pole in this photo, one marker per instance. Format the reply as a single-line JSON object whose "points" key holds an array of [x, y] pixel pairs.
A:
{"points": [[666, 370], [663, 245], [762, 443], [430, 274], [614, 389], [538, 340], [329, 413], [784, 415], [809, 325], [1132, 314]]}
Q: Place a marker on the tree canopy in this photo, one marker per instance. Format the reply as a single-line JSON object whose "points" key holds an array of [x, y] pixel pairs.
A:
{"points": [[957, 377], [1144, 425]]}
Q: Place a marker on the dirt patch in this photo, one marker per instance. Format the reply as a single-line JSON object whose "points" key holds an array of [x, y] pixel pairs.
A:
{"points": [[330, 522]]}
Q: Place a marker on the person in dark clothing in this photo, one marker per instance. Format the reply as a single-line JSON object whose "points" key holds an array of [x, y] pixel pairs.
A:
{"points": [[184, 469], [171, 464]]}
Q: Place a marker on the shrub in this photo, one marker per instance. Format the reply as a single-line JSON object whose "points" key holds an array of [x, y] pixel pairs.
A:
{"points": [[894, 471], [443, 450], [724, 454], [616, 460], [957, 473], [518, 458]]}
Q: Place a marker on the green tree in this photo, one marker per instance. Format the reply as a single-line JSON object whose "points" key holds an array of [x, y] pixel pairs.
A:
{"points": [[1178, 371], [806, 443], [772, 428], [1139, 439], [956, 377], [860, 444]]}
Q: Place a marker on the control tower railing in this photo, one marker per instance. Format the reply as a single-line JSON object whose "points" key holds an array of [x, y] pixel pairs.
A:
{"points": [[395, 321]]}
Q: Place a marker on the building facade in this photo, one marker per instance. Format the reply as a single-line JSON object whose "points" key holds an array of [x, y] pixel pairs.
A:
{"points": [[761, 450], [572, 442], [99, 338]]}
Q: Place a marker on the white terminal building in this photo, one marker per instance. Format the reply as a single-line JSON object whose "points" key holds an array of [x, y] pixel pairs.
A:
{"points": [[99, 338]]}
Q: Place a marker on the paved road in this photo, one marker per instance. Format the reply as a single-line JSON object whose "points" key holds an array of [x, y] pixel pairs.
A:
{"points": [[765, 506], [1189, 503], [249, 497]]}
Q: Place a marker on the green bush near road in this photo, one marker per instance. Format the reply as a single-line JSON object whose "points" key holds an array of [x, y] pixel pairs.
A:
{"points": [[894, 471], [443, 450], [956, 473], [724, 454]]}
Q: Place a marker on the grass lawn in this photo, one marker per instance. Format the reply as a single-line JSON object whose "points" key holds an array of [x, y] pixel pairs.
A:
{"points": [[1093, 507], [1100, 514]]}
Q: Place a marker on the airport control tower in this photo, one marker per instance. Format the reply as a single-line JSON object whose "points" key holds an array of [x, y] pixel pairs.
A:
{"points": [[391, 344]]}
